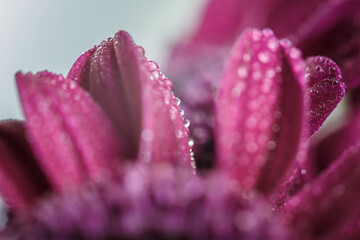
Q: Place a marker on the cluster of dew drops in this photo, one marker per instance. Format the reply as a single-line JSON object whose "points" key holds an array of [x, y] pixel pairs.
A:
{"points": [[166, 83]]}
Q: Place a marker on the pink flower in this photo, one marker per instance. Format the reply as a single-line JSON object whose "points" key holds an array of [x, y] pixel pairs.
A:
{"points": [[104, 153]]}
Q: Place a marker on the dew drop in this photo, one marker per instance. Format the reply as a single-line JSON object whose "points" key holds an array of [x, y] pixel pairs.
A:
{"points": [[193, 164], [152, 66], [256, 35], [156, 75], [273, 45], [147, 135], [190, 143], [264, 57], [168, 84], [179, 134], [182, 112], [242, 72], [285, 42], [332, 70], [246, 57], [268, 32], [270, 73], [319, 68], [140, 50], [295, 53], [178, 101], [277, 114], [271, 145], [187, 122], [72, 85]]}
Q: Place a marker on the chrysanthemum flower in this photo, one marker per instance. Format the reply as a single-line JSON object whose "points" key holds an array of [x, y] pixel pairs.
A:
{"points": [[104, 153]]}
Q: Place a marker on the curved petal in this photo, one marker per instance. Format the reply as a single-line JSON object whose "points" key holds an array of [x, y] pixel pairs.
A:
{"points": [[21, 180], [331, 200], [330, 148], [326, 89], [70, 135], [80, 69], [334, 31], [138, 99], [260, 110]]}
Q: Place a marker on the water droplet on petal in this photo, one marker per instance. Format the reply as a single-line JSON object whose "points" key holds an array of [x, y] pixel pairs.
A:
{"points": [[190, 143], [242, 72], [264, 57], [271, 145], [140, 50], [187, 122], [178, 101], [168, 84], [152, 66]]}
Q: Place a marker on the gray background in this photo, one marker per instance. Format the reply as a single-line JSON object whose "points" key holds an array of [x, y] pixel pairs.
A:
{"points": [[43, 34], [49, 35]]}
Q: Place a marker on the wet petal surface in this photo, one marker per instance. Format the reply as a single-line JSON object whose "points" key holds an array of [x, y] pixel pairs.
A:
{"points": [[21, 180], [325, 91], [71, 136], [260, 94]]}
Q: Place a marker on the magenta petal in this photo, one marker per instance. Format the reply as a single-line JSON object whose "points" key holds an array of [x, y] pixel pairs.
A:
{"points": [[221, 21], [21, 180], [116, 87], [326, 89], [261, 93], [334, 31], [138, 99], [71, 136], [330, 148], [80, 69], [331, 200]]}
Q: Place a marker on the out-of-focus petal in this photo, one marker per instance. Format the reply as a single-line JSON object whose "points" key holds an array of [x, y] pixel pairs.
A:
{"points": [[70, 134], [260, 110], [21, 180], [334, 31], [223, 20], [324, 205], [330, 148], [325, 91], [138, 99]]}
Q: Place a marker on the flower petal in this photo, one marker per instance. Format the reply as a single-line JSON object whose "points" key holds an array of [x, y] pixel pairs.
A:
{"points": [[21, 180], [138, 99], [330, 148], [80, 69], [334, 31], [261, 93], [71, 136], [324, 205], [326, 89]]}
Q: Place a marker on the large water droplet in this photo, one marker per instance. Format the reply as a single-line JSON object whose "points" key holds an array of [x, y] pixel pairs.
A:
{"points": [[152, 66], [190, 143]]}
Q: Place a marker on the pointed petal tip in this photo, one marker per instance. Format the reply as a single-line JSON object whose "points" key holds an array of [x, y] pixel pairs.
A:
{"points": [[326, 89]]}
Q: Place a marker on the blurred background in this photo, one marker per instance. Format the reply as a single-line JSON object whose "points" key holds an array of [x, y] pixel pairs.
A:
{"points": [[49, 35]]}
